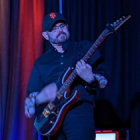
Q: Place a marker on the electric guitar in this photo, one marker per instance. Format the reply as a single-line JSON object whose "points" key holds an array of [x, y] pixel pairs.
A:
{"points": [[49, 121]]}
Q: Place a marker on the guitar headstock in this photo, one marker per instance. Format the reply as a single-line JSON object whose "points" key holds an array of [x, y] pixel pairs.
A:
{"points": [[117, 24]]}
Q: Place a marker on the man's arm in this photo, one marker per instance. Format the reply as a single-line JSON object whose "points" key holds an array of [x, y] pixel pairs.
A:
{"points": [[85, 72], [47, 94]]}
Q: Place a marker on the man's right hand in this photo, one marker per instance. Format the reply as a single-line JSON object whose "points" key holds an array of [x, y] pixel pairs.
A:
{"points": [[30, 106], [47, 94]]}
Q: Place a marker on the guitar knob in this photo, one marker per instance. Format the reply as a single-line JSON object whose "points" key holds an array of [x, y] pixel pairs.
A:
{"points": [[51, 106], [51, 122]]}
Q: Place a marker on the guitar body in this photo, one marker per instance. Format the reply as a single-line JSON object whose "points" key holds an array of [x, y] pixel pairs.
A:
{"points": [[49, 121]]}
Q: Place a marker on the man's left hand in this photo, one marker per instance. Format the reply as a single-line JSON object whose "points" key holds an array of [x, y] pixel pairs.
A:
{"points": [[84, 71]]}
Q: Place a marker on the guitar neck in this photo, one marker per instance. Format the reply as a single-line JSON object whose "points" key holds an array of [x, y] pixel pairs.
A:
{"points": [[68, 82], [94, 47]]}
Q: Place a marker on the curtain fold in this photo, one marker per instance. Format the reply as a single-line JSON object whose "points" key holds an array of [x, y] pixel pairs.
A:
{"points": [[20, 44], [31, 14]]}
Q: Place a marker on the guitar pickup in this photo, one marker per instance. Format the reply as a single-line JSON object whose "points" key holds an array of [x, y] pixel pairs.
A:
{"points": [[46, 113]]}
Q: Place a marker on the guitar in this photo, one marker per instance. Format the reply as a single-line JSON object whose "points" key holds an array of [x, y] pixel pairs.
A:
{"points": [[49, 121]]}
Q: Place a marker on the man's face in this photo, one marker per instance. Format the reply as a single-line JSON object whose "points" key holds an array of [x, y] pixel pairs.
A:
{"points": [[58, 34]]}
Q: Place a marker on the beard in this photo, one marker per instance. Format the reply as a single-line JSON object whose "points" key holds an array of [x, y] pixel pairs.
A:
{"points": [[60, 38]]}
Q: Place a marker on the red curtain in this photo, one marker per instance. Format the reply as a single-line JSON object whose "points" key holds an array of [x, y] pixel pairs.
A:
{"points": [[20, 44], [31, 13]]}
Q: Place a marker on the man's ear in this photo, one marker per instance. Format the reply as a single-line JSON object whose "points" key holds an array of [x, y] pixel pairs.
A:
{"points": [[45, 35]]}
